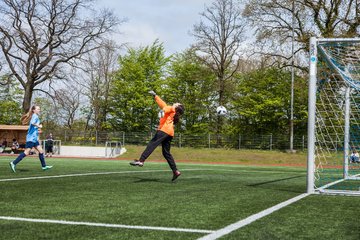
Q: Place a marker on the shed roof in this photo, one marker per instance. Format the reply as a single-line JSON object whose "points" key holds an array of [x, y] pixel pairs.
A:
{"points": [[14, 127]]}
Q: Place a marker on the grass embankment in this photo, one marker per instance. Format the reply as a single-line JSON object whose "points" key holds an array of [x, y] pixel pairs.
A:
{"points": [[203, 155]]}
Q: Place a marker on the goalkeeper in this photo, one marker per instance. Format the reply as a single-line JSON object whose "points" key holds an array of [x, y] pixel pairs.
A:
{"points": [[164, 134]]}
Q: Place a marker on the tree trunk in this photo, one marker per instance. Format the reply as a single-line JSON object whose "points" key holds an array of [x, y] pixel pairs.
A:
{"points": [[220, 121], [27, 98]]}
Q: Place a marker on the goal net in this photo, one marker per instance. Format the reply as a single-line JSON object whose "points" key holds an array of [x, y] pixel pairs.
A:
{"points": [[334, 117]]}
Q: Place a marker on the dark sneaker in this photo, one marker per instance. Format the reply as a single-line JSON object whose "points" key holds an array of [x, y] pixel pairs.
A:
{"points": [[12, 166], [137, 163], [176, 175]]}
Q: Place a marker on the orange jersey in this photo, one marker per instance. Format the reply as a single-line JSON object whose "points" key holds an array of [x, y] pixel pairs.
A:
{"points": [[167, 122]]}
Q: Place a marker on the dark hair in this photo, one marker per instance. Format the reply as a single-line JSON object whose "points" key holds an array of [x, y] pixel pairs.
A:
{"points": [[179, 110]]}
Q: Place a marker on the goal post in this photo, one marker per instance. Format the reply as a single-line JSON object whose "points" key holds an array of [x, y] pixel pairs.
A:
{"points": [[334, 116]]}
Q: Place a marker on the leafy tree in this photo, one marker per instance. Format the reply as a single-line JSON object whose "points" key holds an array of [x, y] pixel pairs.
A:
{"points": [[192, 83], [261, 105], [10, 93], [141, 70], [10, 112]]}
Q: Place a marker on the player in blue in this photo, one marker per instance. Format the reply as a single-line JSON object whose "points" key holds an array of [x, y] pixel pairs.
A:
{"points": [[32, 138]]}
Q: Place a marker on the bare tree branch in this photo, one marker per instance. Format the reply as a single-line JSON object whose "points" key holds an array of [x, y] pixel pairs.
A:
{"points": [[320, 18], [218, 38], [38, 38]]}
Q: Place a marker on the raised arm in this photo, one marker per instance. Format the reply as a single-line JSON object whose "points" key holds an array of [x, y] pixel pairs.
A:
{"points": [[158, 100]]}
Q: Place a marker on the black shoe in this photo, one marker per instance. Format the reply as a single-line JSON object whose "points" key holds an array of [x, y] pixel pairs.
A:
{"points": [[137, 163], [176, 175]]}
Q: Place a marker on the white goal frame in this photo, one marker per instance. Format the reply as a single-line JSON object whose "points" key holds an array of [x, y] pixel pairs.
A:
{"points": [[315, 48]]}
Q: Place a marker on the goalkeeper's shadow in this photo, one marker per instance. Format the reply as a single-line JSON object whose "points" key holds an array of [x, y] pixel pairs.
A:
{"points": [[143, 180], [263, 184], [274, 181]]}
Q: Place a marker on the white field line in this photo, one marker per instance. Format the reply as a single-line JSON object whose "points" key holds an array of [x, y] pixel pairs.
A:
{"points": [[212, 234], [124, 172], [232, 227], [322, 188], [86, 174], [104, 225]]}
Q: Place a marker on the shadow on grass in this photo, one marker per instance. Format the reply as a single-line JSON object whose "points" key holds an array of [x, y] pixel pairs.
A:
{"points": [[141, 180], [273, 181], [21, 170]]}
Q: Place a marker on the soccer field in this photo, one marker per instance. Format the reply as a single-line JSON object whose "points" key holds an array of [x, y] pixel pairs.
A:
{"points": [[107, 199]]}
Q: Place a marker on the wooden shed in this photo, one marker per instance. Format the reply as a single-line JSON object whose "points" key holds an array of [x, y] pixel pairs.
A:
{"points": [[9, 132]]}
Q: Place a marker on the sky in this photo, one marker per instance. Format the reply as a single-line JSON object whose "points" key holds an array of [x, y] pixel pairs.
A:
{"points": [[170, 21]]}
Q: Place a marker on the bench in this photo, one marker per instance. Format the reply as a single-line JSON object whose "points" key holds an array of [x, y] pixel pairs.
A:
{"points": [[9, 150], [19, 150]]}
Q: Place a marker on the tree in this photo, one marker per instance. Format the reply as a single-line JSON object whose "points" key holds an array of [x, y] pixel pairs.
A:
{"points": [[96, 79], [140, 70], [192, 83], [68, 104], [261, 105], [272, 21], [38, 38], [218, 38], [10, 94]]}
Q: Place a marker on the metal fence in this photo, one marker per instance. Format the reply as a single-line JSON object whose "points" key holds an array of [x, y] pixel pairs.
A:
{"points": [[264, 142]]}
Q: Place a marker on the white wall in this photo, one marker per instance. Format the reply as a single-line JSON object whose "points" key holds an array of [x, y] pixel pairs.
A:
{"points": [[81, 151]]}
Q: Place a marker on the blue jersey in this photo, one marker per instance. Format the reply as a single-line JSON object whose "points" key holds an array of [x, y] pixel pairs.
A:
{"points": [[33, 131]]}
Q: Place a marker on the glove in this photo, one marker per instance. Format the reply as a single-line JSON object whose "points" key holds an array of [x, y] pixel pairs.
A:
{"points": [[152, 93]]}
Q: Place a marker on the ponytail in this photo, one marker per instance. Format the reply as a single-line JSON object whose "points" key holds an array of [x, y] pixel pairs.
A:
{"points": [[179, 110], [25, 119]]}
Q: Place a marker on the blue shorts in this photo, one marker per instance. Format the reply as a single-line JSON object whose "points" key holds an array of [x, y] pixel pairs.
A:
{"points": [[32, 144]]}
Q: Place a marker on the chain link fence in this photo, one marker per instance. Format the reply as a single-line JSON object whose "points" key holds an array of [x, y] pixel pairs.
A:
{"points": [[263, 142]]}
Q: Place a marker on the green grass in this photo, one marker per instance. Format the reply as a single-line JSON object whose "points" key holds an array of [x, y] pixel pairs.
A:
{"points": [[203, 155], [205, 196]]}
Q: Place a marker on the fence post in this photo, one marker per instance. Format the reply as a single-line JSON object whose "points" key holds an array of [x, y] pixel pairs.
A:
{"points": [[89, 139], [209, 139], [65, 137], [239, 141], [96, 138], [271, 140], [303, 142]]}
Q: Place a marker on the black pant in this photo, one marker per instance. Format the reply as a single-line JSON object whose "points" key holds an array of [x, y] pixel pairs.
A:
{"points": [[165, 140]]}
